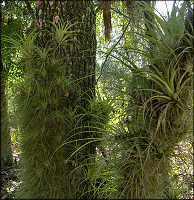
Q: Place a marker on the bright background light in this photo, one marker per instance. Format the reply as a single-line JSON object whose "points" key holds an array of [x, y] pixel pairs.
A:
{"points": [[163, 7]]}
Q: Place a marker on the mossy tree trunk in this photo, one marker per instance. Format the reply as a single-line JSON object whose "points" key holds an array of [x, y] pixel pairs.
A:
{"points": [[148, 173], [54, 91], [156, 179], [6, 152], [82, 54]]}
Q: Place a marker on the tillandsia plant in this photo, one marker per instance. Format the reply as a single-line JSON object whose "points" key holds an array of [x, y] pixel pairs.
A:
{"points": [[92, 123], [170, 70], [48, 117], [157, 121], [45, 118]]}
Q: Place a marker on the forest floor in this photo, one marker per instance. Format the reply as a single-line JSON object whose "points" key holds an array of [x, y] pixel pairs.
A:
{"points": [[10, 183]]}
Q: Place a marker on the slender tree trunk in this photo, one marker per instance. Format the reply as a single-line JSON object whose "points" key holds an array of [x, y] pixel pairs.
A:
{"points": [[6, 152], [156, 181], [152, 180]]}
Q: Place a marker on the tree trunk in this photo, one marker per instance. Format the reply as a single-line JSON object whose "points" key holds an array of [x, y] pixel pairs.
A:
{"points": [[55, 94], [6, 152], [150, 181], [81, 57]]}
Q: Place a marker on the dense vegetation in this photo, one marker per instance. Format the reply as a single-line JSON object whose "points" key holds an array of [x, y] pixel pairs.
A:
{"points": [[131, 135]]}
